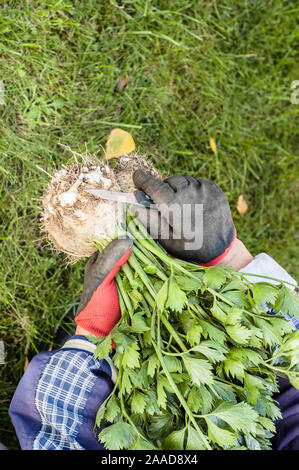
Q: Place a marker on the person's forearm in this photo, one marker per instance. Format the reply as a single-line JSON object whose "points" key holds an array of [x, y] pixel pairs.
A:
{"points": [[238, 256]]}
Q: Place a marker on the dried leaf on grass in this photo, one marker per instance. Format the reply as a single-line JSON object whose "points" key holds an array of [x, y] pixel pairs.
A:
{"points": [[119, 143], [242, 205], [213, 145]]}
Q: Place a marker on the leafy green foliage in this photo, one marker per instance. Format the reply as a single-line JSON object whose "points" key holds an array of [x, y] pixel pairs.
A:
{"points": [[198, 363], [215, 277], [174, 441], [103, 348], [221, 437], [117, 436], [139, 402], [287, 302]]}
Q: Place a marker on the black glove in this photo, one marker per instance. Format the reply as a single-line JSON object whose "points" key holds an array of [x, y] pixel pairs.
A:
{"points": [[194, 220]]}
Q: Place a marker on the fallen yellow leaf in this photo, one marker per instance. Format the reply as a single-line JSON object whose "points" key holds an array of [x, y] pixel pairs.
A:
{"points": [[119, 143], [242, 205], [213, 145]]}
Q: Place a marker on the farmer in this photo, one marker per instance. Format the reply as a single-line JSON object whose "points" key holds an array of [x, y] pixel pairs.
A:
{"points": [[56, 401]]}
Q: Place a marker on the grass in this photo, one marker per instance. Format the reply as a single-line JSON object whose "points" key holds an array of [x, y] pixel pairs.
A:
{"points": [[196, 70]]}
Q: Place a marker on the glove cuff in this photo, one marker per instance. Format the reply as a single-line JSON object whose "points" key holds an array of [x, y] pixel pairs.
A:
{"points": [[219, 258], [102, 312]]}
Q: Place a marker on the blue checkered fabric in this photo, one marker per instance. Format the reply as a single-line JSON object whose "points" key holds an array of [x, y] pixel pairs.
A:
{"points": [[60, 399], [61, 396]]}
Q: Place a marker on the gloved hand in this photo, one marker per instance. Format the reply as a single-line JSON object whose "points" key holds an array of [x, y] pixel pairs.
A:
{"points": [[214, 221], [98, 310]]}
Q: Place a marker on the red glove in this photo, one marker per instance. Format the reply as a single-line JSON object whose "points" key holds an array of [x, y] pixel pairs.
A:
{"points": [[99, 310]]}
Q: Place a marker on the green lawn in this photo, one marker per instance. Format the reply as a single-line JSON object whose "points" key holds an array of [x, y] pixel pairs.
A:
{"points": [[196, 70]]}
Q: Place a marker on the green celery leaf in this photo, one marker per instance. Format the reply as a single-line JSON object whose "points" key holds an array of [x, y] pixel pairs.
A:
{"points": [[160, 426], [290, 343], [245, 354], [153, 364], [175, 440], [136, 297], [215, 277], [287, 302], [173, 364], [161, 393], [112, 409], [213, 351], [126, 384], [239, 333], [176, 297], [206, 399], [239, 416], [234, 316], [267, 424], [147, 338], [131, 356], [294, 380], [222, 437], [233, 368], [188, 283], [143, 444], [139, 402], [252, 443], [117, 436], [236, 297], [272, 337], [122, 337], [162, 296], [104, 347], [223, 391], [281, 324], [262, 291], [194, 440], [152, 406], [235, 284], [194, 400], [217, 312], [194, 334], [214, 333], [150, 269], [138, 323], [253, 385], [186, 320], [100, 415], [200, 370]]}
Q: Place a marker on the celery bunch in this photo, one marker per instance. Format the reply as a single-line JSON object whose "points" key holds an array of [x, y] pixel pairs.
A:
{"points": [[197, 355]]}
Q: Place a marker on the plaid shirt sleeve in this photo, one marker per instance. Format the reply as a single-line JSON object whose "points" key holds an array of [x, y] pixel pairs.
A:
{"points": [[55, 404]]}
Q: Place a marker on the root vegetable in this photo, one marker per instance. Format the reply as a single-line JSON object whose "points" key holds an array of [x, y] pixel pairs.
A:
{"points": [[72, 219], [125, 167]]}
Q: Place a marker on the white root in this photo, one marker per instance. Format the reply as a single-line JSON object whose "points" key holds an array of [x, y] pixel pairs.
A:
{"points": [[74, 219]]}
